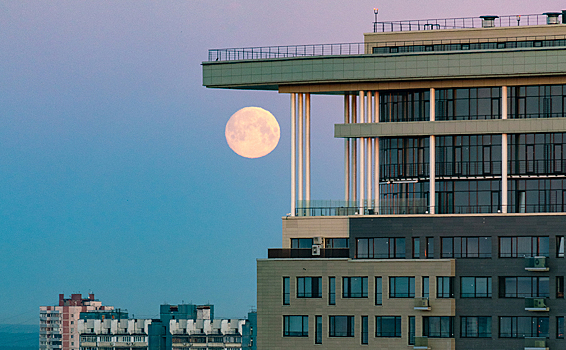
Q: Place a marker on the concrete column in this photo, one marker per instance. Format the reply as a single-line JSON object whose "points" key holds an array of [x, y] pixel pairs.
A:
{"points": [[432, 158], [370, 118], [308, 148], [301, 150], [362, 154], [504, 169], [354, 177], [293, 153], [346, 149], [376, 153]]}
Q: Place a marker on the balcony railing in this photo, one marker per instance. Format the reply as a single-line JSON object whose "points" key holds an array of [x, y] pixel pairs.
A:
{"points": [[307, 253], [460, 23]]}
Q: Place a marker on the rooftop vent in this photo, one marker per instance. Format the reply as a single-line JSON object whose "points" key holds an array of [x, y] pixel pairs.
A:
{"points": [[552, 17], [488, 21]]}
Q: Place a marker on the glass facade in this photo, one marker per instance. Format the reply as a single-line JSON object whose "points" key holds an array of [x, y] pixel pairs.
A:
{"points": [[544, 101], [468, 103], [404, 106]]}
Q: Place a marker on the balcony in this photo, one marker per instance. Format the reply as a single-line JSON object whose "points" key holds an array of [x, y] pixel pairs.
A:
{"points": [[536, 304], [537, 263], [422, 304], [277, 253], [535, 344], [421, 343]]}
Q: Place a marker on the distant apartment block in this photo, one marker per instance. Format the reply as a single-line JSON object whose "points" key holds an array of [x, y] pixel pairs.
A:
{"points": [[58, 325], [107, 333]]}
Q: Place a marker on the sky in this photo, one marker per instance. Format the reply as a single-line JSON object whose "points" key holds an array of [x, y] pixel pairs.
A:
{"points": [[115, 175]]}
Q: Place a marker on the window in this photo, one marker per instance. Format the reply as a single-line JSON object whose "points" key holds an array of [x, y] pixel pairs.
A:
{"points": [[559, 246], [378, 291], [364, 329], [286, 291], [445, 287], [331, 291], [295, 326], [355, 287], [380, 248], [426, 287], [475, 287], [560, 327], [438, 326], [401, 287], [416, 247], [341, 326], [309, 287], [523, 287], [518, 247], [301, 243], [560, 287], [429, 253], [466, 247], [388, 326], [475, 327], [334, 243], [520, 327], [411, 330], [318, 330]]}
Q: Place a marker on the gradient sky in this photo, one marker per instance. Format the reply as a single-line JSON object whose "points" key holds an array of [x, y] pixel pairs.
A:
{"points": [[115, 176]]}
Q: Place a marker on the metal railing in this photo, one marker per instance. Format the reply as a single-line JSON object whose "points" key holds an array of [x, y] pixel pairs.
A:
{"points": [[459, 23]]}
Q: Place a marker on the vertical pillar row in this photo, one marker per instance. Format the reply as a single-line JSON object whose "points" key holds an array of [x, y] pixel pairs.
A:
{"points": [[300, 196], [354, 141], [370, 119], [308, 149], [504, 170], [432, 158]]}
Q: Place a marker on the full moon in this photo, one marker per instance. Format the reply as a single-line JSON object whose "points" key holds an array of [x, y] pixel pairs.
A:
{"points": [[252, 132]]}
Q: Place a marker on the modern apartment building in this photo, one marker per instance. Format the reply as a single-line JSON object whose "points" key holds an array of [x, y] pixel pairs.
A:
{"points": [[58, 325], [451, 231], [97, 333]]}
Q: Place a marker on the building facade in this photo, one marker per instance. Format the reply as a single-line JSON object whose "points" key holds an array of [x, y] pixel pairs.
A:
{"points": [[113, 333], [451, 231], [58, 325]]}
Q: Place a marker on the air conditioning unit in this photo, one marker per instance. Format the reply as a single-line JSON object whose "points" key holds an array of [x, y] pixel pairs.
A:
{"points": [[539, 303], [317, 240], [316, 249]]}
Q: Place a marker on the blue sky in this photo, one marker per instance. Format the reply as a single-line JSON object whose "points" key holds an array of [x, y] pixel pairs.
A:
{"points": [[115, 176]]}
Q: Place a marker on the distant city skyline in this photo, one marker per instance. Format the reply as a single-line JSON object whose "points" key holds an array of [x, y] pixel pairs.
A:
{"points": [[115, 176]]}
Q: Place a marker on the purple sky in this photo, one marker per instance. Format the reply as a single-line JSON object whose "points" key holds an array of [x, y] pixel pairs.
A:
{"points": [[115, 176]]}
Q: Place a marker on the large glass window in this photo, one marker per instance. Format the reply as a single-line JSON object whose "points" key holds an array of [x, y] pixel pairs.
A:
{"points": [[468, 155], [301, 243], [468, 103], [334, 243], [331, 290], [559, 287], [544, 101], [518, 247], [416, 247], [354, 287], [295, 326], [445, 287], [429, 253], [475, 287], [380, 248], [475, 327], [559, 246], [466, 247], [401, 287], [537, 154], [404, 106], [523, 287], [426, 287], [468, 197], [309, 287], [520, 327], [378, 291], [341, 326], [286, 291], [537, 195], [560, 327], [388, 326], [403, 157], [438, 326]]}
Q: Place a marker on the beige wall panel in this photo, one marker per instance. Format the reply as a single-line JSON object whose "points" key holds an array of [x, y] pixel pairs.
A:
{"points": [[314, 226]]}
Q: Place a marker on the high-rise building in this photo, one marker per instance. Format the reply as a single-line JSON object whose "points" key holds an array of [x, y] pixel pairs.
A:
{"points": [[58, 325], [450, 234], [100, 332]]}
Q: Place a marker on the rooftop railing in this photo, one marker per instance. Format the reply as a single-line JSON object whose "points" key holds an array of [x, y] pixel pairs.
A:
{"points": [[461, 23]]}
